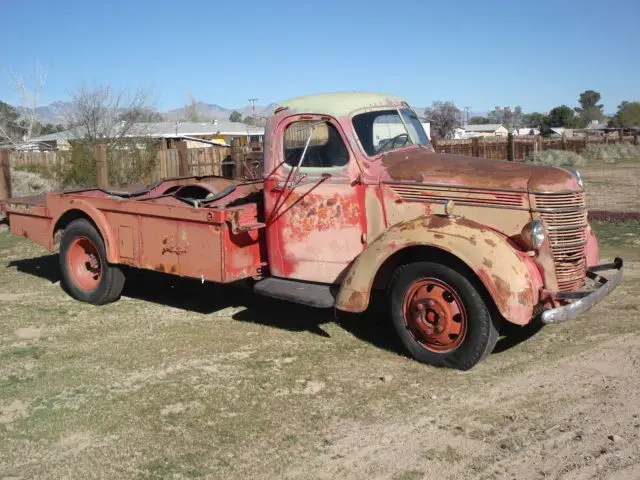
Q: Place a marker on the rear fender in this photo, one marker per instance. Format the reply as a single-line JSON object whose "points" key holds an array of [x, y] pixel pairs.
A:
{"points": [[99, 220], [509, 276]]}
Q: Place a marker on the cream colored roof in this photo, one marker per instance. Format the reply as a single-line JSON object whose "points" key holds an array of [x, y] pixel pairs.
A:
{"points": [[340, 103]]}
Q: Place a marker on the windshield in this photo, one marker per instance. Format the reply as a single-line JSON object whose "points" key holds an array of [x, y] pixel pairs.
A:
{"points": [[386, 130]]}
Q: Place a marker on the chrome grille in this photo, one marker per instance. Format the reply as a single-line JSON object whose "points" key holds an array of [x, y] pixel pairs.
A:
{"points": [[565, 218]]}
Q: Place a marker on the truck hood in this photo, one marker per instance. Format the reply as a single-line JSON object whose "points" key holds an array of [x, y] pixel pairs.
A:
{"points": [[424, 166]]}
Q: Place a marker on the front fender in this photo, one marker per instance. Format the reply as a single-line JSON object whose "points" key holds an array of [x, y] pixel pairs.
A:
{"points": [[509, 276]]}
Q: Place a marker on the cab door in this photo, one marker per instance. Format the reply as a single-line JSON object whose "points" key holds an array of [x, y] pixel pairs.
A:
{"points": [[313, 201]]}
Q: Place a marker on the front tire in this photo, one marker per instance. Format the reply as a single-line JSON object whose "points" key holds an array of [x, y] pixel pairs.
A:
{"points": [[440, 316], [86, 275]]}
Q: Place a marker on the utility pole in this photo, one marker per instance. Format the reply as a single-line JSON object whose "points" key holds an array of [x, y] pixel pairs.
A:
{"points": [[466, 115], [253, 101]]}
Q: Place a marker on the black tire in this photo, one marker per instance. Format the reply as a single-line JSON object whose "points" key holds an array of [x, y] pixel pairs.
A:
{"points": [[481, 332], [111, 279]]}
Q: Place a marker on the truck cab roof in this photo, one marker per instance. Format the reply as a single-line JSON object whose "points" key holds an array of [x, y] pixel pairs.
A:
{"points": [[338, 104]]}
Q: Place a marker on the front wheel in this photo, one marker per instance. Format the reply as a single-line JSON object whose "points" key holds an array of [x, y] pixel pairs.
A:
{"points": [[83, 263], [440, 316]]}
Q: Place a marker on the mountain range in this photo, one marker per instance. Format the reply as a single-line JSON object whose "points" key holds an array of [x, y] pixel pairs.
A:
{"points": [[55, 112]]}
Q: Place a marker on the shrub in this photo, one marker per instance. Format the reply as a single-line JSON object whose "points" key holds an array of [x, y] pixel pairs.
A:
{"points": [[25, 183], [557, 158]]}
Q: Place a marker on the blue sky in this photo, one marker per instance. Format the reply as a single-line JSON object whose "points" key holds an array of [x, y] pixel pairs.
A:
{"points": [[479, 54]]}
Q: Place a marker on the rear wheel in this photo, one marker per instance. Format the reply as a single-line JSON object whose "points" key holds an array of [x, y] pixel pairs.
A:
{"points": [[83, 262], [440, 316]]}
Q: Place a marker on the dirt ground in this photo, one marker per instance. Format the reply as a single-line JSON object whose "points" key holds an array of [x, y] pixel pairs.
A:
{"points": [[183, 380]]}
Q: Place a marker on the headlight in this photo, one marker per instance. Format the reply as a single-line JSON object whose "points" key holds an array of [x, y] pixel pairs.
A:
{"points": [[533, 234], [576, 174]]}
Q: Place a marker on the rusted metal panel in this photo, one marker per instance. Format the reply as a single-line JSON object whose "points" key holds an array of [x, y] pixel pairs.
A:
{"points": [[31, 227], [508, 280], [159, 244]]}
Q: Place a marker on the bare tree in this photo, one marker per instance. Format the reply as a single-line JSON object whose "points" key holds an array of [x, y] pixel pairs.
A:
{"points": [[19, 124], [29, 87], [444, 118], [191, 110], [107, 115]]}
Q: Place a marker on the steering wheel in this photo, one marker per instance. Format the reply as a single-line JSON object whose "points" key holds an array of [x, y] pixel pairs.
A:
{"points": [[390, 144]]}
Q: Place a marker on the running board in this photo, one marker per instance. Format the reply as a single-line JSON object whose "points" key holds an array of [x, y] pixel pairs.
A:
{"points": [[313, 294]]}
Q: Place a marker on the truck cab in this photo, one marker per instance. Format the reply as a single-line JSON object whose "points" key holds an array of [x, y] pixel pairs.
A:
{"points": [[355, 207]]}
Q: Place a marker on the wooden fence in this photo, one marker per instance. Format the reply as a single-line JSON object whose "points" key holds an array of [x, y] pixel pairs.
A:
{"points": [[516, 148], [238, 162]]}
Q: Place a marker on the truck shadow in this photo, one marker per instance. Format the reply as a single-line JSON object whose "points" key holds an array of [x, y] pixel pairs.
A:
{"points": [[192, 295]]}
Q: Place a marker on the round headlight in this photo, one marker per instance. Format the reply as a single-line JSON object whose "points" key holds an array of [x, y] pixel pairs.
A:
{"points": [[576, 174], [533, 234]]}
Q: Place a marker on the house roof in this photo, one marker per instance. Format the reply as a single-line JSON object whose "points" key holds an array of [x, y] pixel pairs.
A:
{"points": [[339, 104], [488, 127], [168, 130]]}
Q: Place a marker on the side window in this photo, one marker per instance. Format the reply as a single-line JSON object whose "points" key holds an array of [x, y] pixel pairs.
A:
{"points": [[326, 148]]}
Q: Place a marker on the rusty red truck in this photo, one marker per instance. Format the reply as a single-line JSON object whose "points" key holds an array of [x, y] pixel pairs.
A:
{"points": [[354, 204]]}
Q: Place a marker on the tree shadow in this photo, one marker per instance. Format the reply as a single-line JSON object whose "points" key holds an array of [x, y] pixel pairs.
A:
{"points": [[207, 298]]}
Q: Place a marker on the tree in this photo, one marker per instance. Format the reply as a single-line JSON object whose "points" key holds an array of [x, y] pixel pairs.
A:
{"points": [[10, 130], [506, 116], [561, 116], [103, 114], [533, 120], [479, 121], [235, 116], [444, 118], [191, 110], [19, 124], [589, 109], [628, 115], [142, 116]]}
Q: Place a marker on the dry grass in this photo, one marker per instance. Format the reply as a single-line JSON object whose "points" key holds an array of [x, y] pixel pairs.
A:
{"points": [[613, 186], [180, 380]]}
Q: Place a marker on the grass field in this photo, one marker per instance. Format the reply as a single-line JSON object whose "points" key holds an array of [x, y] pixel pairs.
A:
{"points": [[613, 186], [183, 380]]}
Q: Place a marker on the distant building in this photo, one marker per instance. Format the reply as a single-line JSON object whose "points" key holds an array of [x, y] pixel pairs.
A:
{"points": [[220, 132], [525, 131], [485, 130]]}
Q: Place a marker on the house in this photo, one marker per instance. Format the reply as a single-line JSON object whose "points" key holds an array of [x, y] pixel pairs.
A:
{"points": [[486, 130], [526, 131], [219, 132]]}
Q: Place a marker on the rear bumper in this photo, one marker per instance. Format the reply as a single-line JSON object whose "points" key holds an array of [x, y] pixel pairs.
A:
{"points": [[583, 301]]}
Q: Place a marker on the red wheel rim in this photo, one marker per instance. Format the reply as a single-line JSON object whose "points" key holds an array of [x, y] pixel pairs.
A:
{"points": [[434, 315], [84, 263]]}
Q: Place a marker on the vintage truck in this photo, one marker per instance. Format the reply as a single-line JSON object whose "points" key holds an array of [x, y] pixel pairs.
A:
{"points": [[354, 204]]}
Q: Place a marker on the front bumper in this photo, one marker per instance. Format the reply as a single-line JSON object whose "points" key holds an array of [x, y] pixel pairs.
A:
{"points": [[583, 301]]}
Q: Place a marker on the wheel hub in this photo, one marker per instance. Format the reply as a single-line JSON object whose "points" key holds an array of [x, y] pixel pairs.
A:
{"points": [[434, 314], [84, 263]]}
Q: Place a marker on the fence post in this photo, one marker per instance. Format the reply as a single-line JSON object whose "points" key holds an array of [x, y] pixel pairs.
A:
{"points": [[564, 142], [511, 154], [102, 169], [475, 146], [5, 175], [238, 157], [183, 160]]}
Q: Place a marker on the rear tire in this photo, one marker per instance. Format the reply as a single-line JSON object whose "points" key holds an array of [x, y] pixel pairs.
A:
{"points": [[440, 316], [86, 275]]}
